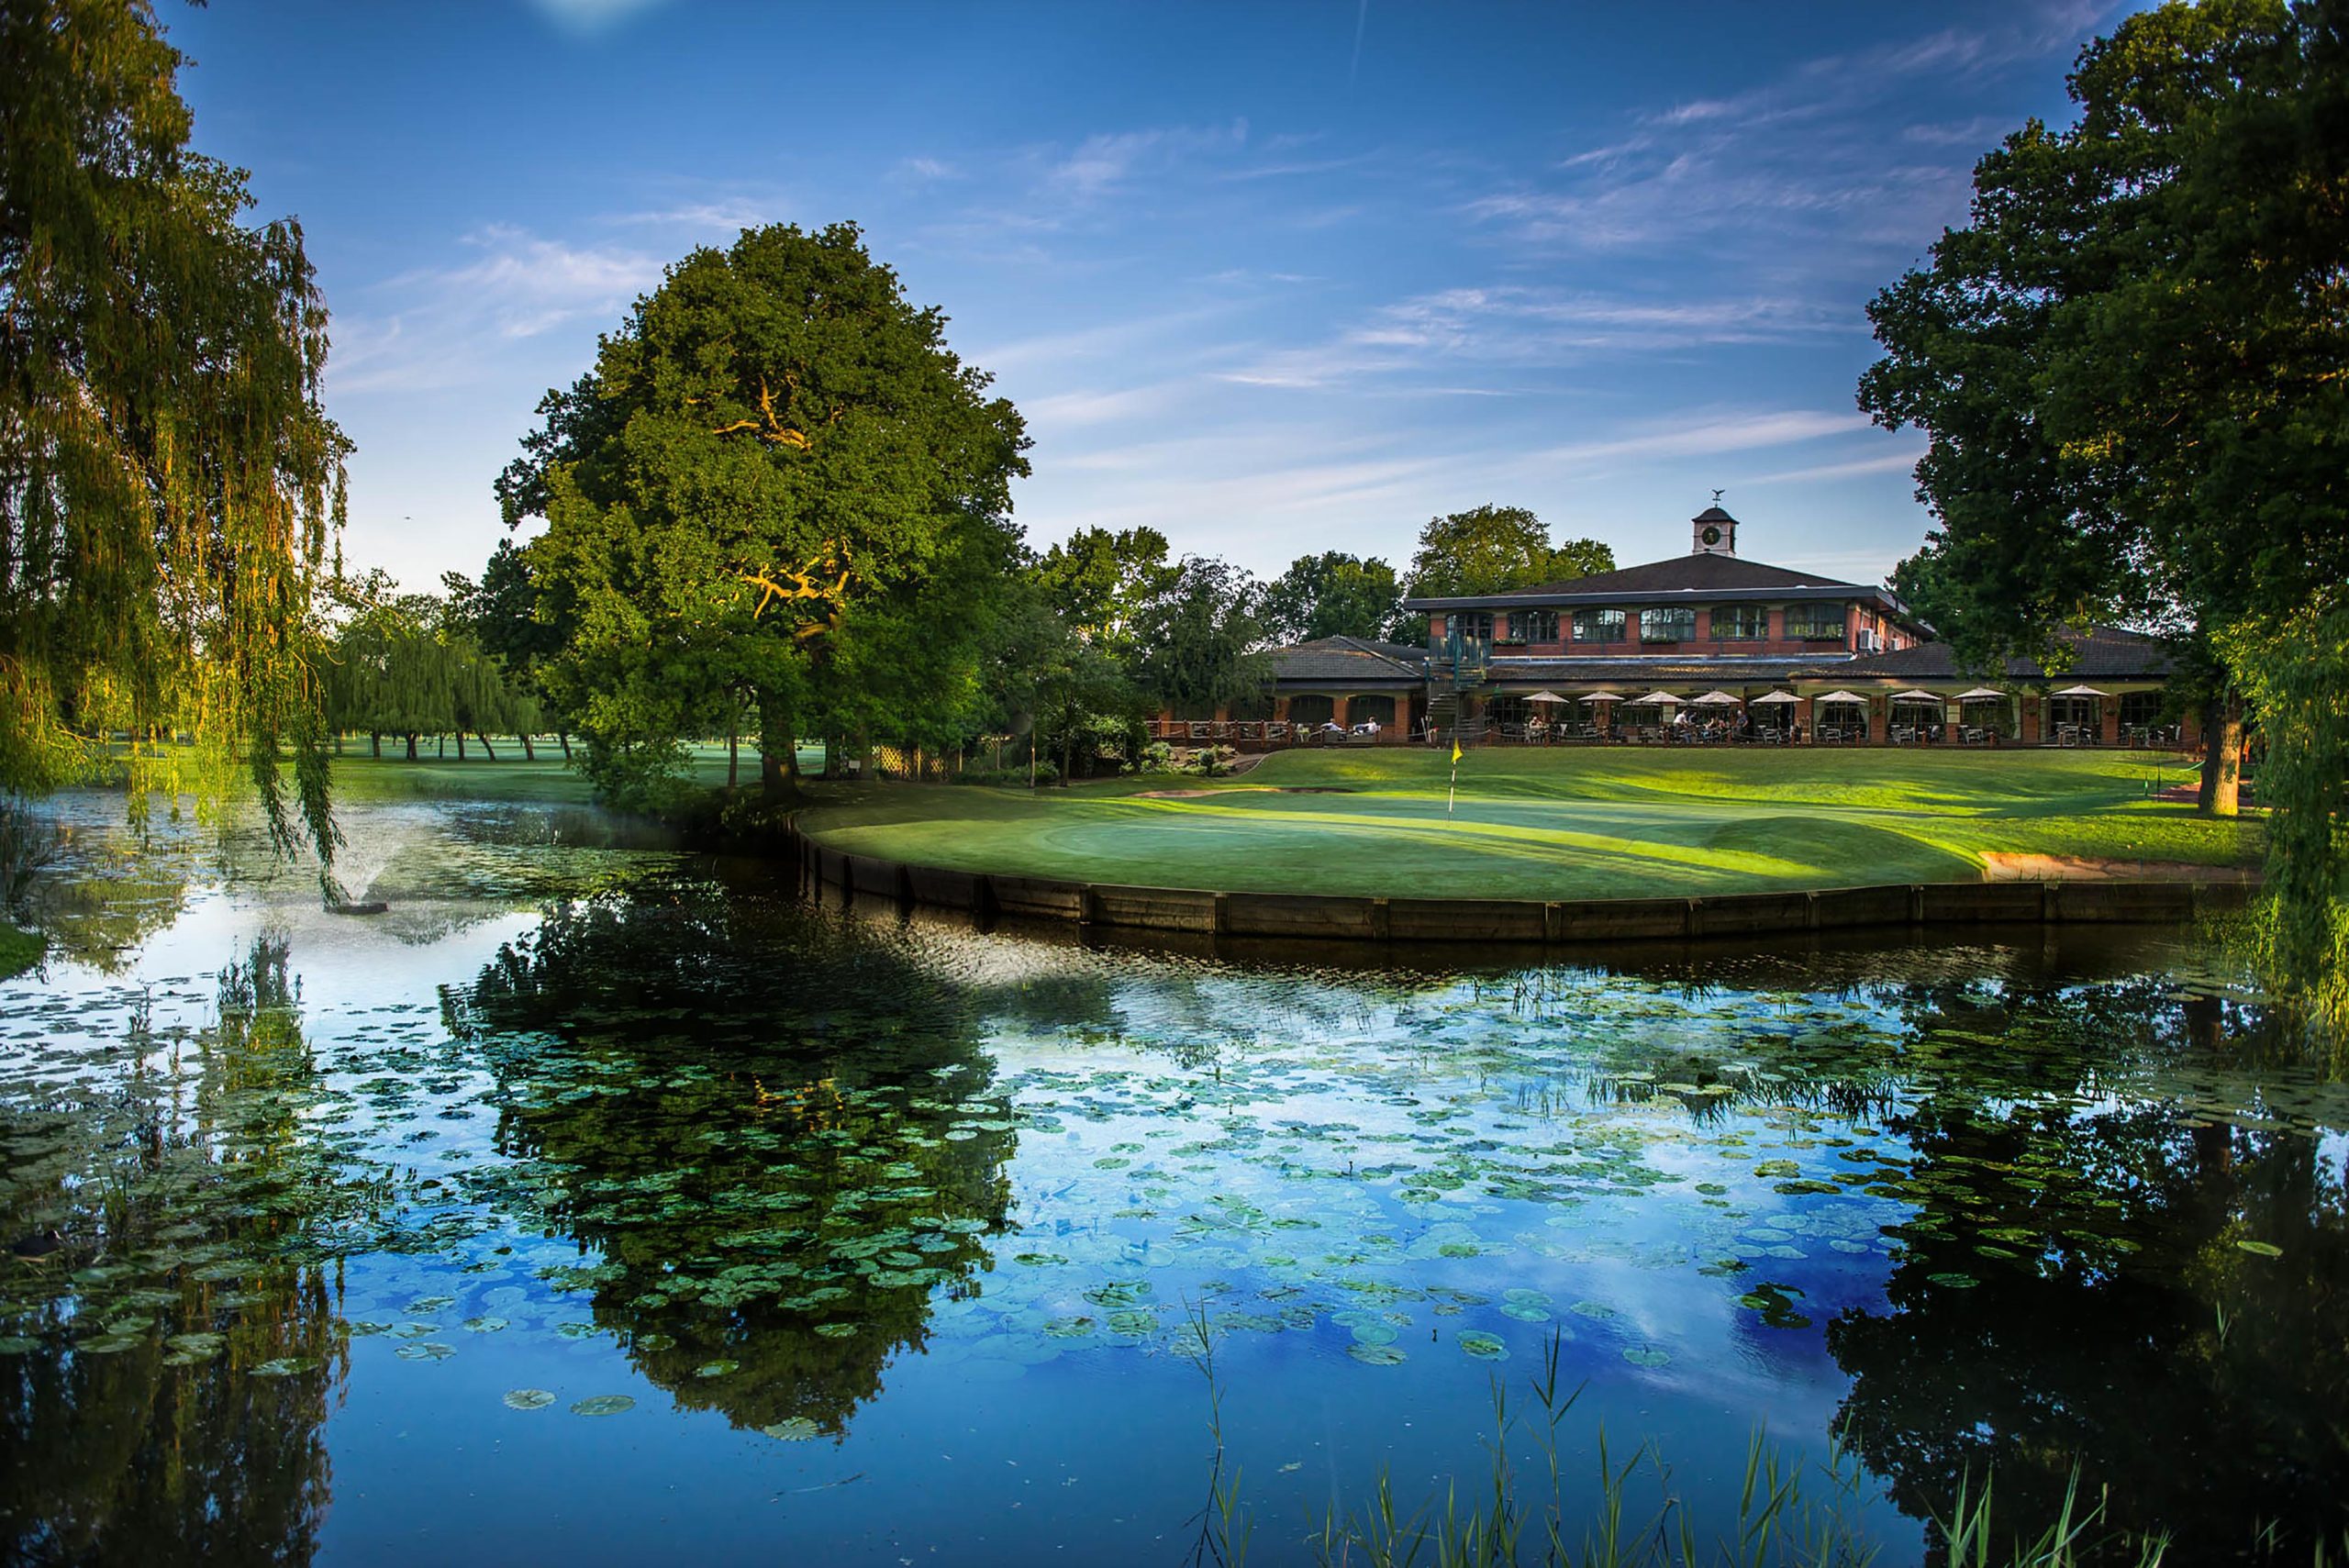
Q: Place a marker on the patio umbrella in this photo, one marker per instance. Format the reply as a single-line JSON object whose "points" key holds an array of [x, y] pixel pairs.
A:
{"points": [[1602, 697], [1545, 696], [1657, 699], [2082, 692], [1916, 696], [1983, 694], [1722, 699], [1777, 697], [1841, 696]]}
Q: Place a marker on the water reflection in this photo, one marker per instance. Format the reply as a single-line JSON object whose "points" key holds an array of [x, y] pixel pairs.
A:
{"points": [[772, 1145], [169, 1308], [2128, 1254], [613, 1119]]}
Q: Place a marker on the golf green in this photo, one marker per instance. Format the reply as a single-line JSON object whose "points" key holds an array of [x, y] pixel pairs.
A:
{"points": [[1560, 824]]}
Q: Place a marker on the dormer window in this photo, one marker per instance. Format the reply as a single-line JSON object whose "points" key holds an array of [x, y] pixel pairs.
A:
{"points": [[1668, 626], [1599, 625], [1741, 623]]}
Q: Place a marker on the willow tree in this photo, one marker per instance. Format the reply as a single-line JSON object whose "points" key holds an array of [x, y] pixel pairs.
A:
{"points": [[776, 473], [170, 484]]}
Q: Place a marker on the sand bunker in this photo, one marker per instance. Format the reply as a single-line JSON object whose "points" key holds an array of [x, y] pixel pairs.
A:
{"points": [[2001, 867]]}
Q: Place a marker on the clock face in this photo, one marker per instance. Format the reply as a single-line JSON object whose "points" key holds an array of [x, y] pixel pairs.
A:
{"points": [[1713, 536]]}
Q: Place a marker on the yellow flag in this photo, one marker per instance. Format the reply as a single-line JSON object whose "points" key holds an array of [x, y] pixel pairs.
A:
{"points": [[1456, 751]]}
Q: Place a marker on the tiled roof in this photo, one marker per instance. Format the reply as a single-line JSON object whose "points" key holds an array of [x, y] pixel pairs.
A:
{"points": [[1681, 575], [1349, 659], [2099, 651]]}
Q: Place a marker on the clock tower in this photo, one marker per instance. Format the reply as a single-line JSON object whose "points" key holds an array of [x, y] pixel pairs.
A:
{"points": [[1713, 531]]}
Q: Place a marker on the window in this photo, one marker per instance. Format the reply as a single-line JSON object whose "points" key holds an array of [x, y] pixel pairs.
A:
{"points": [[1598, 626], [1815, 623], [1668, 626], [1741, 623], [1534, 625], [1473, 626]]}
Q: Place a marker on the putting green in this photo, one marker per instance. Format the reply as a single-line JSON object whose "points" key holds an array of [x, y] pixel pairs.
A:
{"points": [[1554, 824]]}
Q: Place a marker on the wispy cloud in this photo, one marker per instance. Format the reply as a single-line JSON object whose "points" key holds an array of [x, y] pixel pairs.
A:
{"points": [[1521, 328], [1103, 163], [437, 326]]}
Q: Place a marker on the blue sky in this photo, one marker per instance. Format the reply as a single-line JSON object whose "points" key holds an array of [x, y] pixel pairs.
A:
{"points": [[1272, 279]]}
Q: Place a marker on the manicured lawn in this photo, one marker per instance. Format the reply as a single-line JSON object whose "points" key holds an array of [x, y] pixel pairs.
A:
{"points": [[357, 776], [1554, 824]]}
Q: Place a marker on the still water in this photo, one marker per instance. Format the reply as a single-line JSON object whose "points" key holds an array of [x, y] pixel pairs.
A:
{"points": [[601, 1203]]}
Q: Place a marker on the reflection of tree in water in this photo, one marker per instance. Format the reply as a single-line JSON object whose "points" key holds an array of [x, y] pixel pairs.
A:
{"points": [[2090, 1277], [774, 1135], [172, 1313]]}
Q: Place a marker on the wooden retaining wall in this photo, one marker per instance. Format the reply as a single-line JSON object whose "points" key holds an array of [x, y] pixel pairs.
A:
{"points": [[985, 896]]}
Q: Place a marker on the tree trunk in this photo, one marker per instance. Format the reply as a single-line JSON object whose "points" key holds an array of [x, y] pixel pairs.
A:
{"points": [[529, 753], [440, 747], [411, 746], [733, 755], [2221, 758], [565, 736], [485, 751], [460, 745], [375, 744], [778, 748]]}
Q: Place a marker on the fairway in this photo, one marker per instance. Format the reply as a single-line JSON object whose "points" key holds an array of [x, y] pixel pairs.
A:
{"points": [[1554, 824]]}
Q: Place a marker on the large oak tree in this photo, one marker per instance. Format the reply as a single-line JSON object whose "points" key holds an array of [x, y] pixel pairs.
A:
{"points": [[777, 482]]}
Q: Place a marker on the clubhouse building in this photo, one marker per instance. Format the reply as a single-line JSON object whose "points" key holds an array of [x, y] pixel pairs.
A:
{"points": [[1704, 646]]}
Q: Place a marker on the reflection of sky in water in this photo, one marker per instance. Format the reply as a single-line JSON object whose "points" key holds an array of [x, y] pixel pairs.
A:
{"points": [[1381, 1192]]}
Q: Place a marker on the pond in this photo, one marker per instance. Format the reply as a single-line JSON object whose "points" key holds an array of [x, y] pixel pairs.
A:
{"points": [[605, 1203]]}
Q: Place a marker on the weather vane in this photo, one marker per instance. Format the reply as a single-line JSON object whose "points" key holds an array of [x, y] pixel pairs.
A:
{"points": [[1717, 498]]}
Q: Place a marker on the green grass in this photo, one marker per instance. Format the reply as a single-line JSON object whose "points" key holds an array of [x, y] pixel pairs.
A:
{"points": [[360, 777], [1554, 824]]}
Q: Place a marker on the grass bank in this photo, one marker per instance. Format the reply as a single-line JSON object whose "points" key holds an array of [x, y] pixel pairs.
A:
{"points": [[1554, 824], [19, 949]]}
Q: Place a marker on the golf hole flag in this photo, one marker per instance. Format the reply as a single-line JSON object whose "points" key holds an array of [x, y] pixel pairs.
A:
{"points": [[1454, 787]]}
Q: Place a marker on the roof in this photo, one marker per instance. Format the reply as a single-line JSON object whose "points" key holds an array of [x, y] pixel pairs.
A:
{"points": [[1357, 659], [2099, 651], [1710, 576]]}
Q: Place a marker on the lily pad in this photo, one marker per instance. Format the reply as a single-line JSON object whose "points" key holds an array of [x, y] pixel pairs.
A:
{"points": [[1483, 1346], [2261, 1248], [1375, 1355], [1647, 1356], [604, 1404], [527, 1398], [792, 1429]]}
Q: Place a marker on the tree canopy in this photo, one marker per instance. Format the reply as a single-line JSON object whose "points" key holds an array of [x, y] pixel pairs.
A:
{"points": [[1199, 641], [170, 484], [2132, 364], [1489, 547], [1333, 594], [777, 481]]}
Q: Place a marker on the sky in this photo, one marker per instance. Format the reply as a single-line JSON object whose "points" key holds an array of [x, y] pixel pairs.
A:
{"points": [[1272, 279]]}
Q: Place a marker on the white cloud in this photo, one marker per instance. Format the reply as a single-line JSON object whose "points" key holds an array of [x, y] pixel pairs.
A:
{"points": [[440, 326], [1102, 164]]}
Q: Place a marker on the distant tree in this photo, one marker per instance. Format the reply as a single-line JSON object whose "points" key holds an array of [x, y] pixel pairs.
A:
{"points": [[775, 456], [1098, 581], [502, 612], [1487, 548], [170, 484], [1200, 640], [1333, 594]]}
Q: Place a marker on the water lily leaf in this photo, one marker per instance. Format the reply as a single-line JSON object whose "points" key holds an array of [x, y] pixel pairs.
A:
{"points": [[1375, 1355], [286, 1366], [527, 1398], [2261, 1248], [1647, 1356], [792, 1429], [1483, 1346], [604, 1404]]}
